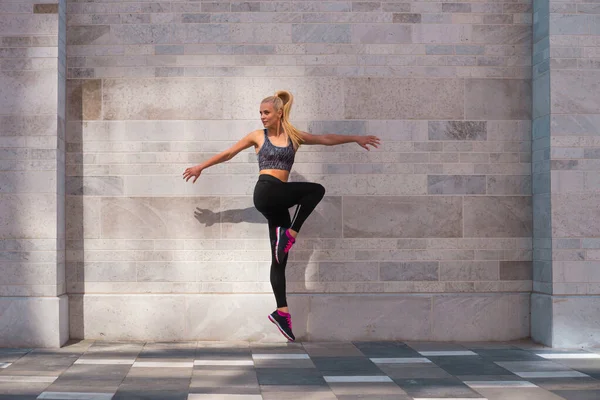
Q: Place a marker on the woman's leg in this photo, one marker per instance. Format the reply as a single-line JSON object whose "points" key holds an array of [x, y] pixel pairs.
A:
{"points": [[280, 317], [278, 219], [306, 196], [273, 199]]}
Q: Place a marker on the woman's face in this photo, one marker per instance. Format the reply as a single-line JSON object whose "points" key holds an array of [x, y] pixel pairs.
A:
{"points": [[268, 115]]}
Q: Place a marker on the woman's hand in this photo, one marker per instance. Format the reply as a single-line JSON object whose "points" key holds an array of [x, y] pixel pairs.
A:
{"points": [[364, 141], [192, 171]]}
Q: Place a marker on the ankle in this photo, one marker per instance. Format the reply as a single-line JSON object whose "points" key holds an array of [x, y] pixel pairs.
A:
{"points": [[292, 233], [283, 310]]}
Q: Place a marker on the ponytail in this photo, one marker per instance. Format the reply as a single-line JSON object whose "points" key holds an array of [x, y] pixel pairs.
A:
{"points": [[284, 99]]}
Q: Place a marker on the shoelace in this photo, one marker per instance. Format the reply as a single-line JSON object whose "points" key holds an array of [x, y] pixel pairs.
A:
{"points": [[289, 320]]}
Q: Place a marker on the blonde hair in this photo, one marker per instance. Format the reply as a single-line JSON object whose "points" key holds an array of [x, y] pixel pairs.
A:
{"points": [[284, 99]]}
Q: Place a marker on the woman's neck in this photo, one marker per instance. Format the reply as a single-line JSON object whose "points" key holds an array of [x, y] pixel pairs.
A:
{"points": [[276, 132]]}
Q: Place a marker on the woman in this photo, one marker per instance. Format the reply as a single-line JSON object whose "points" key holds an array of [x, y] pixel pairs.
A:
{"points": [[276, 146]]}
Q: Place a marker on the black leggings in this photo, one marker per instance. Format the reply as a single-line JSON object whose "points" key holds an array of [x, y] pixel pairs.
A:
{"points": [[273, 199]]}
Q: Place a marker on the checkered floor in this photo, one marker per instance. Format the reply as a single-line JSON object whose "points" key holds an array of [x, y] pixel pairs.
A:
{"points": [[90, 370]]}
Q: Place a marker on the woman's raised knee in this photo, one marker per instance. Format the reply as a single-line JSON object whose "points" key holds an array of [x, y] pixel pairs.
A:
{"points": [[320, 190]]}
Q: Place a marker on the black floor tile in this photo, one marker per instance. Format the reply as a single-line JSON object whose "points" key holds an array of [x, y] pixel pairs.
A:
{"points": [[386, 349], [469, 366], [578, 394], [126, 393], [346, 366], [450, 387]]}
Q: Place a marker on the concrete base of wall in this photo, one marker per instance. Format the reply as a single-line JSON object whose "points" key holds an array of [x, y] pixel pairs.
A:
{"points": [[316, 317], [34, 321], [565, 321]]}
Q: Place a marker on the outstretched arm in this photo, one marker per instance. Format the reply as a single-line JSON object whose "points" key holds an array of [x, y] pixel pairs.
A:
{"points": [[246, 142], [331, 139]]}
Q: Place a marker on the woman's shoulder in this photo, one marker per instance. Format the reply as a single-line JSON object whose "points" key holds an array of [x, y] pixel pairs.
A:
{"points": [[256, 135]]}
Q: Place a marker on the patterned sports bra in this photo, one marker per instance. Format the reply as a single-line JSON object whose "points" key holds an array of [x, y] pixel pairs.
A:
{"points": [[275, 157]]}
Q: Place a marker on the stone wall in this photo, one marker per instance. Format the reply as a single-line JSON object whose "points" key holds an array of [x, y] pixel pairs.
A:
{"points": [[33, 304], [429, 237], [567, 302], [434, 228]]}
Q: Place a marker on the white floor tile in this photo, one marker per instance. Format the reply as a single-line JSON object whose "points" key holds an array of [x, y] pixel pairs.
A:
{"points": [[164, 364], [224, 362], [449, 398], [344, 379], [447, 353], [280, 356], [225, 397], [569, 356], [33, 379], [552, 374], [105, 361], [75, 396], [498, 384], [408, 360]]}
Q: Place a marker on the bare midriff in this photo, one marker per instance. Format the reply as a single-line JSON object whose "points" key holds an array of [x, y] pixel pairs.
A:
{"points": [[280, 174]]}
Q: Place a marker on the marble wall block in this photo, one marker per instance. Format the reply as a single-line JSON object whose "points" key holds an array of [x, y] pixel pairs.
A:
{"points": [[28, 215], [160, 218], [497, 216], [511, 100], [575, 92], [457, 130], [94, 186], [28, 182], [327, 317], [265, 33], [509, 184], [409, 271], [390, 98], [575, 322], [441, 33], [137, 321], [516, 270], [381, 33], [400, 216], [321, 33], [317, 98], [28, 92], [579, 125], [575, 215], [46, 325], [456, 184], [343, 127], [469, 271], [165, 99], [25, 24], [502, 34], [348, 272], [567, 24], [503, 317], [90, 35]]}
